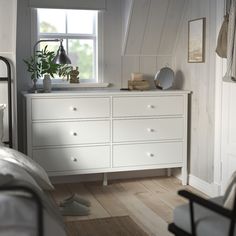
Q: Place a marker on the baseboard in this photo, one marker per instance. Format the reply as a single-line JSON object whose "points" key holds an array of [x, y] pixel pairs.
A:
{"points": [[210, 189]]}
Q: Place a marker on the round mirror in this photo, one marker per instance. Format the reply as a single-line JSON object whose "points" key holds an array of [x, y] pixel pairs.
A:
{"points": [[164, 78]]}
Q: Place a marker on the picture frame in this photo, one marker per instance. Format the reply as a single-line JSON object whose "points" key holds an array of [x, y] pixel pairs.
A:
{"points": [[196, 40]]}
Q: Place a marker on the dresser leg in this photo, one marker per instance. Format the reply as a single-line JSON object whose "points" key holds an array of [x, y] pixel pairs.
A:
{"points": [[168, 172], [184, 176], [104, 179]]}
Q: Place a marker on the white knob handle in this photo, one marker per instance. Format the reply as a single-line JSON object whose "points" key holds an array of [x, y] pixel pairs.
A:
{"points": [[150, 106], [74, 159], [150, 154], [74, 108], [74, 133], [150, 130]]}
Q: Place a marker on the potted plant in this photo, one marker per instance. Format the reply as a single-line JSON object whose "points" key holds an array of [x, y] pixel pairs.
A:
{"points": [[64, 71], [71, 73], [41, 64]]}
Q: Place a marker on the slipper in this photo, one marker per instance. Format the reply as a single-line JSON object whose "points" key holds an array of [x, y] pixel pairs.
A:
{"points": [[74, 209], [75, 198]]}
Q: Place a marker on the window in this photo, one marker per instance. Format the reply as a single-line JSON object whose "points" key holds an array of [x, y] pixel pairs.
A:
{"points": [[79, 31]]}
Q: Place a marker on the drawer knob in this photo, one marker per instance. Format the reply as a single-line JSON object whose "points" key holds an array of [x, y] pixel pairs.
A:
{"points": [[74, 159], [74, 134], [150, 130], [150, 154], [150, 106], [74, 108]]}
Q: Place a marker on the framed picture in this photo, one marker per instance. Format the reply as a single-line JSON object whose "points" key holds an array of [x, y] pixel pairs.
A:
{"points": [[196, 40]]}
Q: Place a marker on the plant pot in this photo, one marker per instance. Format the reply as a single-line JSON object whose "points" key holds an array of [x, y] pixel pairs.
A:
{"points": [[47, 84]]}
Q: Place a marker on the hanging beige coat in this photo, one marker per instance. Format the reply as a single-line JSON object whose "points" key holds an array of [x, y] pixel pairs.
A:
{"points": [[221, 48], [231, 44]]}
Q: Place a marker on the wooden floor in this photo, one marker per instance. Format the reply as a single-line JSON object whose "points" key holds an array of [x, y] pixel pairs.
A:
{"points": [[149, 202]]}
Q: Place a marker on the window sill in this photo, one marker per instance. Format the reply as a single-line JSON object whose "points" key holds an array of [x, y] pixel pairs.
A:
{"points": [[66, 86], [79, 85]]}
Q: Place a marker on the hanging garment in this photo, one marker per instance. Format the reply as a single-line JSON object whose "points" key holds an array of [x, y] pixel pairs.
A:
{"points": [[221, 48], [231, 44]]}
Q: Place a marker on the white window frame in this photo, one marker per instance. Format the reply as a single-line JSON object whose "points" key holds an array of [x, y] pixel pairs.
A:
{"points": [[98, 47]]}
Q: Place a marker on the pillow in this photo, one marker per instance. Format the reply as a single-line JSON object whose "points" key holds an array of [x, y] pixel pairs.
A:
{"points": [[33, 168], [229, 195], [9, 168], [2, 107]]}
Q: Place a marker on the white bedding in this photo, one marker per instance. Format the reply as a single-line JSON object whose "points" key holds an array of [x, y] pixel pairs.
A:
{"points": [[18, 214], [29, 165]]}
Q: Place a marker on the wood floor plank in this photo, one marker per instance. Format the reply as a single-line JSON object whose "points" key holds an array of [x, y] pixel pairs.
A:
{"points": [[171, 184], [107, 199], [148, 201], [96, 209], [171, 199], [134, 187], [159, 207], [141, 214], [152, 186]]}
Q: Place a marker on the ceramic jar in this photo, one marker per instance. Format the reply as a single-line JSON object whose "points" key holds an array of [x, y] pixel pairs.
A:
{"points": [[47, 83]]}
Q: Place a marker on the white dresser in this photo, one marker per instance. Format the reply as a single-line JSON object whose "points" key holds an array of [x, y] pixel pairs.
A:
{"points": [[72, 133]]}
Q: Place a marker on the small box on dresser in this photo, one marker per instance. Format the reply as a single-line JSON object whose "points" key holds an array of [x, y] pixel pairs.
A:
{"points": [[72, 133]]}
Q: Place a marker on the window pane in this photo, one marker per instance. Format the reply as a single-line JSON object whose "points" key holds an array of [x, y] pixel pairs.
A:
{"points": [[81, 22], [52, 46], [51, 21], [81, 53]]}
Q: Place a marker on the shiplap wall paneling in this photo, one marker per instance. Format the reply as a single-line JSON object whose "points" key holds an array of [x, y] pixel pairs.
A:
{"points": [[137, 26], [154, 27], [148, 64], [200, 79], [129, 64], [112, 43], [171, 27], [163, 61], [126, 7], [228, 140]]}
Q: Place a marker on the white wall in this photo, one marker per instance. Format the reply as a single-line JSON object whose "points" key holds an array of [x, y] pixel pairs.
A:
{"points": [[200, 79], [8, 10]]}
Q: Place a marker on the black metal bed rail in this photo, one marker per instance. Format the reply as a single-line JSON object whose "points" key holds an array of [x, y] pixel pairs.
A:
{"points": [[37, 200], [8, 80]]}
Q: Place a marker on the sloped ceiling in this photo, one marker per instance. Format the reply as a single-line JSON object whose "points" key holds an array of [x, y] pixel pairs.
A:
{"points": [[150, 27]]}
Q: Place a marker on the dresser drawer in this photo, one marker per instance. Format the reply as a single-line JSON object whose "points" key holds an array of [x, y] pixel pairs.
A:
{"points": [[148, 129], [66, 159], [69, 133], [147, 154], [70, 108], [148, 106]]}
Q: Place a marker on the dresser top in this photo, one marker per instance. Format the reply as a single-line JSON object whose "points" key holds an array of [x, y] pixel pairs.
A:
{"points": [[107, 92]]}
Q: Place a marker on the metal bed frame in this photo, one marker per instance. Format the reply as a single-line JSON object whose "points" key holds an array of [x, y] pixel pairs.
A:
{"points": [[33, 194], [8, 80]]}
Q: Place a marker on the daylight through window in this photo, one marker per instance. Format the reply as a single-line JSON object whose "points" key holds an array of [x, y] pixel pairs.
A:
{"points": [[78, 29]]}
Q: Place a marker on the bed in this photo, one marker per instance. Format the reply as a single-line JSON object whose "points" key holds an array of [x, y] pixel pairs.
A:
{"points": [[25, 204]]}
